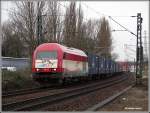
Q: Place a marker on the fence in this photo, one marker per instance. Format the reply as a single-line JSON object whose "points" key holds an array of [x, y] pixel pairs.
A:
{"points": [[14, 63]]}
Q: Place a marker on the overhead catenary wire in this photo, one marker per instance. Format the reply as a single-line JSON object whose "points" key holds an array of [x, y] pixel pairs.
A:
{"points": [[94, 10], [66, 7], [128, 55], [122, 26], [110, 17], [46, 14]]}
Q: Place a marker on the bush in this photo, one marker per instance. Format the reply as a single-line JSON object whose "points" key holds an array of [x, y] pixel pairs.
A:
{"points": [[17, 80]]}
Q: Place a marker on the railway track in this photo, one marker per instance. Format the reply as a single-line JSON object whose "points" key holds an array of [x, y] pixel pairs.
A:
{"points": [[38, 102], [31, 90], [19, 92], [27, 91]]}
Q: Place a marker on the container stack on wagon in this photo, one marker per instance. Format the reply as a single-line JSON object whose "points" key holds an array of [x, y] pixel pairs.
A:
{"points": [[99, 66]]}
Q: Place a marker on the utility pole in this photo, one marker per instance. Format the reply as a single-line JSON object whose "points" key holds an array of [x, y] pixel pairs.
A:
{"points": [[134, 66], [145, 46], [139, 47], [139, 50], [39, 25]]}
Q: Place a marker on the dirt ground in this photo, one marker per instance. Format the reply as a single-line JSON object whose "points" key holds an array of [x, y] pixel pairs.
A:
{"points": [[135, 99]]}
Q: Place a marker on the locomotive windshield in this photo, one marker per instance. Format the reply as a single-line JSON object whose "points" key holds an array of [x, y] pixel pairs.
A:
{"points": [[47, 54]]}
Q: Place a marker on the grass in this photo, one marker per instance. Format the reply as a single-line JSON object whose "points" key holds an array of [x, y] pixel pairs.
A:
{"points": [[17, 80], [145, 71]]}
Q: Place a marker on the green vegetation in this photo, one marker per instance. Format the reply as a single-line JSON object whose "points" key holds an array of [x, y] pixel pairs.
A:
{"points": [[17, 80], [145, 70]]}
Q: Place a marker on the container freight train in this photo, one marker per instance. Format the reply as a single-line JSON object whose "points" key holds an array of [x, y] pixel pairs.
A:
{"points": [[56, 63]]}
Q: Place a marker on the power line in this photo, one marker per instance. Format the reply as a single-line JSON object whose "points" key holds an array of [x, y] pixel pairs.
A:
{"points": [[122, 26], [110, 17], [15, 12], [122, 16], [127, 54], [131, 50], [94, 10], [118, 30], [129, 47], [130, 56], [67, 7]]}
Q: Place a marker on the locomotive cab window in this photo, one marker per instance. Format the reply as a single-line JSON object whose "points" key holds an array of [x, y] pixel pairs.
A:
{"points": [[47, 54]]}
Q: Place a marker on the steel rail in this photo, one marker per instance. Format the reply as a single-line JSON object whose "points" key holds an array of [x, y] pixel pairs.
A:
{"points": [[25, 91], [28, 91], [18, 92], [38, 102]]}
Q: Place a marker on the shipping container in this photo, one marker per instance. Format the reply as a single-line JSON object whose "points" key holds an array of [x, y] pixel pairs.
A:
{"points": [[92, 69]]}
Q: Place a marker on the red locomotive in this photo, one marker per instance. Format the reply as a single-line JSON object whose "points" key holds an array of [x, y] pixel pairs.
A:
{"points": [[52, 61]]}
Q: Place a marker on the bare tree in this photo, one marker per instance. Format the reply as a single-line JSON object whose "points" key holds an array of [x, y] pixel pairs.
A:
{"points": [[69, 31], [54, 22], [76, 31], [91, 36], [104, 38], [12, 46], [80, 31], [39, 22], [91, 32], [24, 23]]}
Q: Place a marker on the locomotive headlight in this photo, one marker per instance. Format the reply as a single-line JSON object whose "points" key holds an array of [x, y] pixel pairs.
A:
{"points": [[54, 69], [37, 69]]}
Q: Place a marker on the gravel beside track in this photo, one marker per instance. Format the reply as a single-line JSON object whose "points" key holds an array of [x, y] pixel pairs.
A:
{"points": [[20, 95], [52, 98], [108, 100], [84, 102]]}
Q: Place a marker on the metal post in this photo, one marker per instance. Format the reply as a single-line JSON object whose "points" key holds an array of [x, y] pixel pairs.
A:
{"points": [[134, 66], [39, 25], [139, 50]]}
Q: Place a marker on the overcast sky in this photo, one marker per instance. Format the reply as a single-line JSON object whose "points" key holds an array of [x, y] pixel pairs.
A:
{"points": [[120, 11]]}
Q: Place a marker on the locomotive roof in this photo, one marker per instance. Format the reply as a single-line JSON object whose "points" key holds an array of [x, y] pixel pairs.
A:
{"points": [[67, 49]]}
